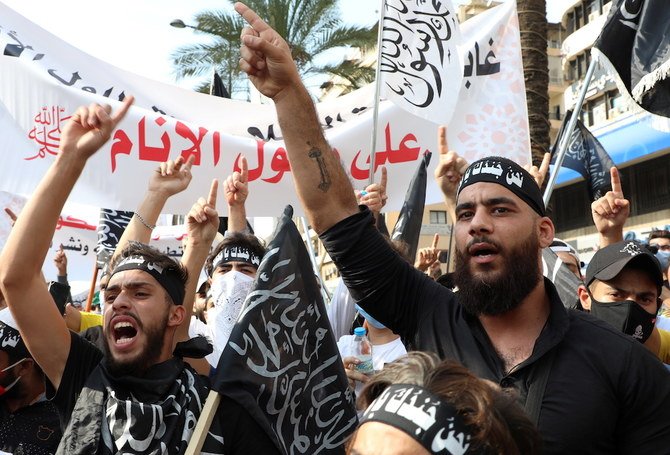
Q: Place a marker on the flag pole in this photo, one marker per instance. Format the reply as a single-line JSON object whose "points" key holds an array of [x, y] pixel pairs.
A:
{"points": [[565, 140], [375, 111], [310, 250]]}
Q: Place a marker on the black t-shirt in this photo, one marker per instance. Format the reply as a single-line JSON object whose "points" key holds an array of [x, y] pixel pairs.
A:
{"points": [[31, 430], [606, 393], [240, 433]]}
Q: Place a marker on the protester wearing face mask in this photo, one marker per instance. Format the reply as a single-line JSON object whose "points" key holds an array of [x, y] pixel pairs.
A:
{"points": [[29, 424], [659, 241], [622, 287], [386, 347], [232, 269]]}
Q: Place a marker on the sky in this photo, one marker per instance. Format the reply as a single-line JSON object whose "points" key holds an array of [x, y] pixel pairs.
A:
{"points": [[136, 34]]}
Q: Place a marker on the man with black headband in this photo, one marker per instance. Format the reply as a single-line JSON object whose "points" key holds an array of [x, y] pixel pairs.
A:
{"points": [[141, 397], [589, 388]]}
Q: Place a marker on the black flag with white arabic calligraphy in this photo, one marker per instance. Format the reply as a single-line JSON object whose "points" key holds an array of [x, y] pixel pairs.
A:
{"points": [[408, 227], [636, 41], [281, 362], [586, 155], [110, 229]]}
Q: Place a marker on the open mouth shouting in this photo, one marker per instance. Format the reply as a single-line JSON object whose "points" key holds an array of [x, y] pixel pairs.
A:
{"points": [[124, 331], [483, 252]]}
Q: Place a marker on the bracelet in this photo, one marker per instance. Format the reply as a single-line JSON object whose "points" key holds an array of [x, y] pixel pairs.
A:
{"points": [[147, 225]]}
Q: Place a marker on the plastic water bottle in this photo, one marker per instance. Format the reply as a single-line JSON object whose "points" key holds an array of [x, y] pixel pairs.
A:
{"points": [[362, 350]]}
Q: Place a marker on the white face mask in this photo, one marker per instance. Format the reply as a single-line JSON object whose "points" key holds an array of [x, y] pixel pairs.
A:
{"points": [[229, 292]]}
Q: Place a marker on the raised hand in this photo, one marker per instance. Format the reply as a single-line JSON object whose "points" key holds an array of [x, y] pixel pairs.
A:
{"points": [[374, 196], [539, 173], [450, 168], [427, 256], [171, 177], [89, 128], [60, 261], [236, 185], [202, 221], [611, 211], [265, 56]]}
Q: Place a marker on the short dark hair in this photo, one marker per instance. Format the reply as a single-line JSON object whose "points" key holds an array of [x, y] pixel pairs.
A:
{"points": [[659, 234], [151, 254], [235, 238]]}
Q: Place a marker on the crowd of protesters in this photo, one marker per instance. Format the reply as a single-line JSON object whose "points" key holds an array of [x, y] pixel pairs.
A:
{"points": [[498, 363]]}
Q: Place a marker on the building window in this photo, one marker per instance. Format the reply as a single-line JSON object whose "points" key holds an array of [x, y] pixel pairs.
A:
{"points": [[438, 217]]}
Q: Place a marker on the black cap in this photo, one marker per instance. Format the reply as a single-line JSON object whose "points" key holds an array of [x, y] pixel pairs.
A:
{"points": [[608, 262]]}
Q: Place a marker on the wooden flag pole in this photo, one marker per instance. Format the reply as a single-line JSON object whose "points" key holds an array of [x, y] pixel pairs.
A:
{"points": [[204, 422], [565, 140], [91, 290]]}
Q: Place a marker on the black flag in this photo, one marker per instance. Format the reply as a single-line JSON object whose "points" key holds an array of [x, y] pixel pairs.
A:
{"points": [[217, 88], [408, 227], [281, 362], [636, 41], [110, 229], [587, 156]]}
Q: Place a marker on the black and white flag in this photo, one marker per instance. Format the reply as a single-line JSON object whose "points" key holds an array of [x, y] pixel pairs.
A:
{"points": [[281, 362], [408, 227], [420, 60], [110, 229], [217, 88], [586, 155], [636, 41]]}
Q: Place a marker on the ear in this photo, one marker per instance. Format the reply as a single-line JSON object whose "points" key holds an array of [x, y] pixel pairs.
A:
{"points": [[25, 366], [584, 297], [177, 315], [546, 231]]}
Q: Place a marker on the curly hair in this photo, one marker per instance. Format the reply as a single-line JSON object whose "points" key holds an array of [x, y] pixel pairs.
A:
{"points": [[499, 425]]}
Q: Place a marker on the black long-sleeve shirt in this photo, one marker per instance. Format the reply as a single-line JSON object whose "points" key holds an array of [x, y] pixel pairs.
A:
{"points": [[606, 393]]}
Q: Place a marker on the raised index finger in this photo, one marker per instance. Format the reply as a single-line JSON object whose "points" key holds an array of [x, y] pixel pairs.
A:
{"points": [[442, 140], [123, 110], [213, 190], [544, 167], [616, 180], [384, 178], [436, 240], [251, 17], [244, 170]]}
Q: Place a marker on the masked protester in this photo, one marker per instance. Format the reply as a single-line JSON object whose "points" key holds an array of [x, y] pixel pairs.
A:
{"points": [[29, 423], [231, 269], [622, 287]]}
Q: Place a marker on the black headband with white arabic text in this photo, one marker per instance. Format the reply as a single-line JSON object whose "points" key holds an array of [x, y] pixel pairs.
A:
{"points": [[430, 420], [168, 278], [508, 174], [236, 253]]}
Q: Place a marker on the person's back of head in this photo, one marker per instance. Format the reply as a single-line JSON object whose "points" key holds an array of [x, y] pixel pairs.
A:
{"points": [[490, 419]]}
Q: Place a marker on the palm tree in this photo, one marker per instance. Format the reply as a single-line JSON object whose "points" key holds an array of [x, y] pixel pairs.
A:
{"points": [[311, 27], [533, 27]]}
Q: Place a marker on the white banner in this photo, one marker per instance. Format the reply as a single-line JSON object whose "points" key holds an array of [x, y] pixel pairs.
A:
{"points": [[43, 80], [421, 65]]}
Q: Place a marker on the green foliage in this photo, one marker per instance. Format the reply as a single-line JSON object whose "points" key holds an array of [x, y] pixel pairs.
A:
{"points": [[311, 27]]}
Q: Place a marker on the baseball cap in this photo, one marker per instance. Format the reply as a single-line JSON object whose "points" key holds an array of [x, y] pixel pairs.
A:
{"points": [[608, 262]]}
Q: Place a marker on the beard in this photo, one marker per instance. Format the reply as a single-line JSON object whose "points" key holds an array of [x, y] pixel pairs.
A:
{"points": [[499, 293], [146, 358]]}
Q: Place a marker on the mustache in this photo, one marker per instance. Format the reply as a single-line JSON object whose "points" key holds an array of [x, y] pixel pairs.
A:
{"points": [[482, 239], [129, 314]]}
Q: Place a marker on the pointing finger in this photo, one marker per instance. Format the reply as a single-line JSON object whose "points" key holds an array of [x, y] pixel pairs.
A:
{"points": [[442, 140], [616, 181], [544, 166], [436, 240], [384, 179], [211, 200], [251, 17], [244, 170], [123, 110]]}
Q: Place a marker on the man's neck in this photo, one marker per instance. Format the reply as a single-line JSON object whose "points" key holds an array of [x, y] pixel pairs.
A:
{"points": [[514, 333]]}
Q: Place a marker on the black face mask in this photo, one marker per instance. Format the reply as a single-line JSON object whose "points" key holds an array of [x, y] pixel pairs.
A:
{"points": [[626, 316]]}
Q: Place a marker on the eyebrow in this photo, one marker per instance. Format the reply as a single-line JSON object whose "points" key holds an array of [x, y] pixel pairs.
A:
{"points": [[637, 294], [488, 203], [128, 285]]}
